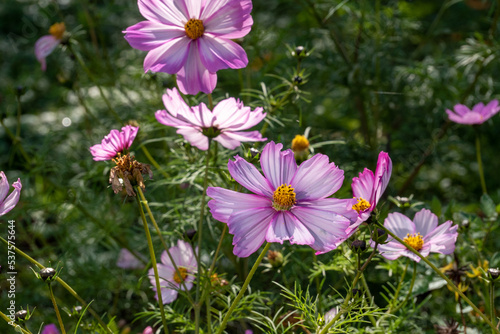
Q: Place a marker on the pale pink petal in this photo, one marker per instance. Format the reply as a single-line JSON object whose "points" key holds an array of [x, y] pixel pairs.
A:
{"points": [[113, 143], [4, 186], [443, 238], [203, 116], [127, 260], [391, 250], [170, 57], [382, 175], [193, 77], [461, 109], [148, 330], [278, 167], [228, 19], [231, 140], [230, 112], [285, 226], [425, 222], [249, 177], [218, 54], [163, 117], [149, 35], [194, 137], [44, 47], [170, 12], [11, 201], [225, 202], [50, 329], [362, 186], [399, 224], [249, 229], [490, 109], [317, 178], [174, 103]]}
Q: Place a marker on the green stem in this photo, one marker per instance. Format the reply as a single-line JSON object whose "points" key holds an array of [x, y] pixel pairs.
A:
{"points": [[396, 294], [492, 304], [64, 285], [16, 141], [153, 262], [443, 276], [58, 315], [153, 161], [197, 306], [412, 284], [16, 326], [480, 161], [210, 102], [370, 298], [243, 288]]}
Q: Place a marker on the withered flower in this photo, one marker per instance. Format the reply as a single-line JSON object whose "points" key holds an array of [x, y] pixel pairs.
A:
{"points": [[128, 172]]}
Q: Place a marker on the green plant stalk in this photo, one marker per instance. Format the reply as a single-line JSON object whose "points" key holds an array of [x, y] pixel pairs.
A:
{"points": [[153, 262], [209, 316], [370, 298], [210, 101], [15, 141], [243, 288], [9, 321], [480, 162], [443, 276], [492, 304], [396, 294], [153, 221], [64, 285], [412, 284], [153, 161], [348, 297], [58, 315]]}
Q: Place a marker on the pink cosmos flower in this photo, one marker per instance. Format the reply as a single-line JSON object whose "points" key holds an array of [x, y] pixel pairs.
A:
{"points": [[114, 143], [50, 329], [148, 330], [478, 115], [223, 124], [127, 260], [192, 39], [46, 44], [7, 204], [423, 234], [170, 281], [288, 203]]}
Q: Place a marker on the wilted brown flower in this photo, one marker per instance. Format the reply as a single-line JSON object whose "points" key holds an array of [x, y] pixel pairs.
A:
{"points": [[450, 327], [128, 172]]}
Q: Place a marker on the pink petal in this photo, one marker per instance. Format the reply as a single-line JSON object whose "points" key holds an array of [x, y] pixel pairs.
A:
{"points": [[278, 167], [149, 35], [228, 19], [11, 201], [148, 330], [218, 54], [317, 178], [490, 109], [362, 186], [443, 238], [44, 47], [425, 222], [249, 177], [461, 109], [399, 224], [231, 114], [4, 186], [183, 113], [391, 250], [285, 226], [226, 202], [193, 77], [382, 175], [249, 229], [50, 329], [170, 12], [231, 140], [163, 117], [170, 57], [203, 116], [195, 137]]}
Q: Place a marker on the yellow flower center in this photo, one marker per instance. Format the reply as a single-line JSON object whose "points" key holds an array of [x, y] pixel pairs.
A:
{"points": [[415, 241], [183, 271], [362, 205], [57, 30], [194, 28], [300, 143], [284, 197]]}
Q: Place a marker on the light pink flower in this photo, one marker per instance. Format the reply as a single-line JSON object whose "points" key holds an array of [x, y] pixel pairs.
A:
{"points": [[148, 330], [288, 203], [224, 124], [114, 143], [170, 281], [50, 329], [127, 260], [423, 234], [8, 203], [46, 44], [192, 39], [478, 115]]}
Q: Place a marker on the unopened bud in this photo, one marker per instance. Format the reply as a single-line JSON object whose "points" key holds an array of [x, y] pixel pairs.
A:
{"points": [[358, 246], [494, 273], [190, 234], [379, 236], [254, 152], [275, 258], [300, 52], [47, 273], [297, 79], [21, 315]]}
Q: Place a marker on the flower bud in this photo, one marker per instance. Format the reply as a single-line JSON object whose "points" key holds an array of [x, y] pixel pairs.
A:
{"points": [[297, 79], [379, 236], [190, 234], [275, 258], [254, 152], [21, 315], [300, 147], [494, 273], [358, 246], [47, 273], [300, 52]]}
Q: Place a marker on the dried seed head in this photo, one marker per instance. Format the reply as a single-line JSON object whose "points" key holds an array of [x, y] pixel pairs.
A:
{"points": [[128, 172], [47, 273]]}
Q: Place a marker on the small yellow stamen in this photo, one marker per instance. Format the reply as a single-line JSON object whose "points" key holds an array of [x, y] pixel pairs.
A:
{"points": [[183, 271], [284, 197], [57, 30], [415, 241], [300, 143], [362, 205], [194, 28]]}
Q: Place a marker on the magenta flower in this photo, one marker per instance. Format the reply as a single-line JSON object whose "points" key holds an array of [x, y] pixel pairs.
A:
{"points": [[46, 44], [50, 329], [192, 39], [223, 124], [478, 115], [423, 234], [114, 143], [288, 203], [7, 204], [148, 330], [170, 281]]}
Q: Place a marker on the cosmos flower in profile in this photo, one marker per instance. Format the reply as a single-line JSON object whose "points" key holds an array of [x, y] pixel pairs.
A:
{"points": [[45, 45], [225, 124], [170, 280], [193, 39], [50, 329], [479, 114], [423, 234], [115, 142], [289, 202], [8, 203]]}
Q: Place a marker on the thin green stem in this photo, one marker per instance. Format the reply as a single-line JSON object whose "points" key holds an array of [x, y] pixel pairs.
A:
{"points": [[410, 290], [243, 288], [58, 315], [396, 294], [16, 141], [492, 304], [210, 102], [153, 161], [370, 298], [209, 316], [443, 276], [10, 322], [63, 284], [153, 262], [480, 161]]}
